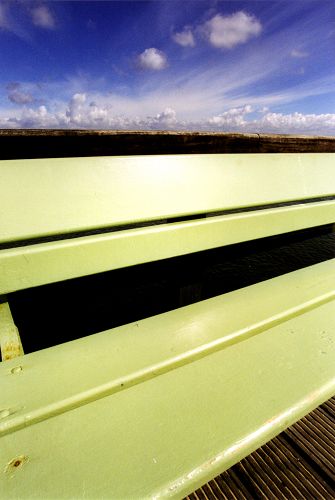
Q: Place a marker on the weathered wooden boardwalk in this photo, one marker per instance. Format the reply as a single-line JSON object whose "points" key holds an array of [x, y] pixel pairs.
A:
{"points": [[299, 463], [69, 143]]}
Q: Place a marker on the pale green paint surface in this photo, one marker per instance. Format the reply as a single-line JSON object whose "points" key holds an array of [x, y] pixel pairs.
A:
{"points": [[170, 434], [156, 408], [50, 196], [156, 423], [34, 265], [97, 365]]}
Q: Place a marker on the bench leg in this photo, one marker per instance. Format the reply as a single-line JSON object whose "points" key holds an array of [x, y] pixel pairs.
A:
{"points": [[10, 341]]}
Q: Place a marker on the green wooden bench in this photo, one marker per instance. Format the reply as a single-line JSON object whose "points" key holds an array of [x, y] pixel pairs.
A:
{"points": [[158, 407]]}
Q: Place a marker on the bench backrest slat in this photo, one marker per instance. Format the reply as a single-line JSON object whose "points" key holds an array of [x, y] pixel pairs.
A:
{"points": [[43, 263], [56, 196]]}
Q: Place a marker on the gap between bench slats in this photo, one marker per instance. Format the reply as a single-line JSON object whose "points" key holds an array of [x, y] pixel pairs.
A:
{"points": [[34, 265]]}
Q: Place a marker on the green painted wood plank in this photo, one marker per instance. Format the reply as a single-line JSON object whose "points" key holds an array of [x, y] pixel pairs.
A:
{"points": [[34, 265], [117, 359], [167, 436], [72, 194]]}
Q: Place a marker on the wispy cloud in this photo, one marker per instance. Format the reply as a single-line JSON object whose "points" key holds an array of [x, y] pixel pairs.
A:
{"points": [[8, 21], [43, 17], [17, 95], [20, 17], [299, 53], [4, 22]]}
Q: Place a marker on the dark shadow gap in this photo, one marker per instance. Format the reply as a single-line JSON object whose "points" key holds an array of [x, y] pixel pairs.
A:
{"points": [[155, 222], [52, 314]]}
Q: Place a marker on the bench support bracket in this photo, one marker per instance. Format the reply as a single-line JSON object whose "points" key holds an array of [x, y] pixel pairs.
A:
{"points": [[10, 341]]}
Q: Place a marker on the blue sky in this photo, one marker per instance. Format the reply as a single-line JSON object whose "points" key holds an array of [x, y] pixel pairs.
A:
{"points": [[252, 66]]}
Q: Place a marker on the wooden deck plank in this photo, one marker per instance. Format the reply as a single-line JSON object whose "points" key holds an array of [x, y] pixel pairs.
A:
{"points": [[41, 143], [290, 470]]}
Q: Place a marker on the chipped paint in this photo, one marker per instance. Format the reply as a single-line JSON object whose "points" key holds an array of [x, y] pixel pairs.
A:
{"points": [[16, 369], [16, 464]]}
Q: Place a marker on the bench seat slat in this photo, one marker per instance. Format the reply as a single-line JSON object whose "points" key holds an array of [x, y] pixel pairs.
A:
{"points": [[258, 372], [141, 350], [34, 265], [174, 430], [59, 196]]}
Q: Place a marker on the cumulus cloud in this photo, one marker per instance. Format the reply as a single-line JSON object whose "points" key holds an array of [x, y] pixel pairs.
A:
{"points": [[299, 123], [228, 31], [43, 17], [75, 108], [277, 123], [152, 59], [167, 118], [234, 117], [299, 53], [184, 38], [17, 95], [81, 112], [31, 118]]}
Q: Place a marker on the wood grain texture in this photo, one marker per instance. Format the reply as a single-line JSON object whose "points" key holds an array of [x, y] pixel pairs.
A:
{"points": [[36, 143], [286, 467]]}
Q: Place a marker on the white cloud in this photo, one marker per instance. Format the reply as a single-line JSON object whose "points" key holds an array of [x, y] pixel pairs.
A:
{"points": [[75, 112], [167, 118], [298, 53], [184, 38], [278, 123], [298, 123], [43, 17], [153, 59], [31, 118], [81, 112], [234, 117], [228, 31]]}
